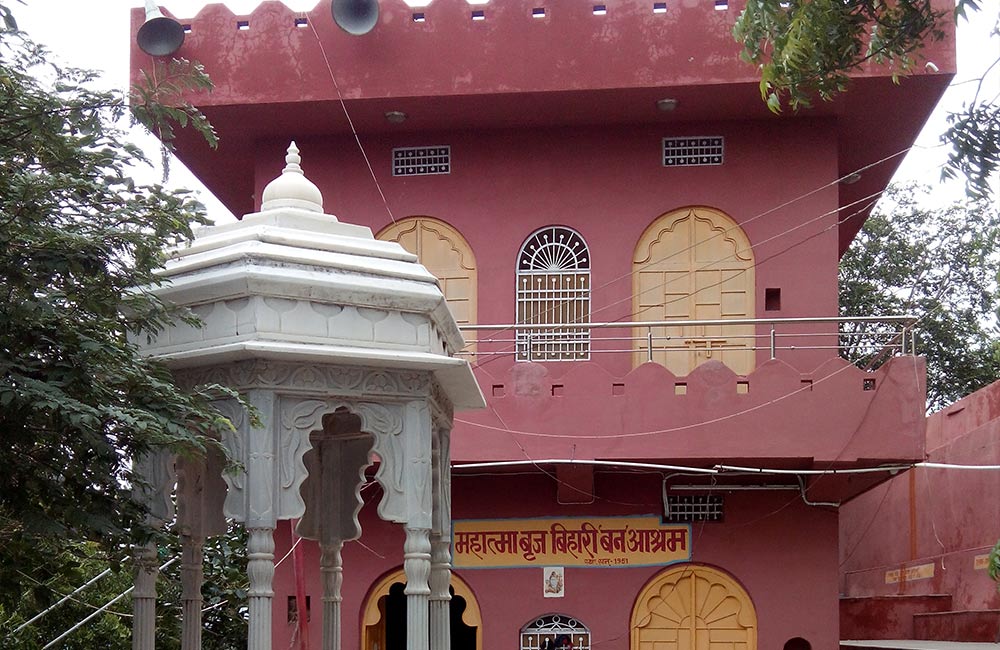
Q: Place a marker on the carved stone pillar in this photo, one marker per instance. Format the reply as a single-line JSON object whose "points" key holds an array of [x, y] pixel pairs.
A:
{"points": [[144, 598], [201, 491], [260, 570], [332, 574], [417, 567], [191, 579], [440, 598]]}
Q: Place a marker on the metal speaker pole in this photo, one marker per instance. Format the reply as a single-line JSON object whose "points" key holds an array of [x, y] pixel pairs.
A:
{"points": [[355, 17], [159, 35]]}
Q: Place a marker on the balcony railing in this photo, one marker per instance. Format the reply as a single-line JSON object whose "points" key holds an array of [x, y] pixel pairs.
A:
{"points": [[857, 338]]}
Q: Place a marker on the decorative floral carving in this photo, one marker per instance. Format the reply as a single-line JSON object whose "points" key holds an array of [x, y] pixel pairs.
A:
{"points": [[384, 422], [346, 380], [308, 377], [381, 382]]}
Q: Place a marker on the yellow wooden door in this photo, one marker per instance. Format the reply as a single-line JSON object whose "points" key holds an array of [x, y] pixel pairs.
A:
{"points": [[693, 607], [446, 254], [694, 264]]}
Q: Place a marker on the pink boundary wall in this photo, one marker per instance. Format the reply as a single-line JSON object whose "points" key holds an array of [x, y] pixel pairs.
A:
{"points": [[939, 517]]}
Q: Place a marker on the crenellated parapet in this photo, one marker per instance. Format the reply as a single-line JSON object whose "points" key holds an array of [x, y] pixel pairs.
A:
{"points": [[452, 48], [837, 415]]}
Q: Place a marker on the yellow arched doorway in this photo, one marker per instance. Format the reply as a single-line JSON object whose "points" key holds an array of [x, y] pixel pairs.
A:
{"points": [[693, 607], [383, 620], [695, 263]]}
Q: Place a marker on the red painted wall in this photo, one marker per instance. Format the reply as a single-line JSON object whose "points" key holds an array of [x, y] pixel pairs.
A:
{"points": [[608, 183], [512, 71], [944, 517], [781, 551], [508, 51]]}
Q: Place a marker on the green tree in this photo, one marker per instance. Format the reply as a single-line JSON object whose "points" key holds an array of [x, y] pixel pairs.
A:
{"points": [[80, 243], [224, 617], [56, 568], [940, 265], [807, 49]]}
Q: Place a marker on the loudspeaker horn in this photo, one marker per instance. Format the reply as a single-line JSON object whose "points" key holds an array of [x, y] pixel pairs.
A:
{"points": [[356, 17], [159, 35]]}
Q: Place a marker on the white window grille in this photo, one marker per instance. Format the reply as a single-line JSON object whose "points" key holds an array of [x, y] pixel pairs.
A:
{"points": [[687, 508], [553, 288], [693, 151], [555, 632], [421, 161]]}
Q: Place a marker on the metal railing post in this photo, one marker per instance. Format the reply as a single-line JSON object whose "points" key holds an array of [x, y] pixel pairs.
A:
{"points": [[901, 341]]}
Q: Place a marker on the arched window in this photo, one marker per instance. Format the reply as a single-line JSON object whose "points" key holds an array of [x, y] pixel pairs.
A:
{"points": [[555, 632], [446, 254], [694, 264], [553, 288]]}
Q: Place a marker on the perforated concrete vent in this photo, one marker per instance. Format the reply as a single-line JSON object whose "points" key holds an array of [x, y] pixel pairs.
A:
{"points": [[421, 161], [687, 508], [693, 151]]}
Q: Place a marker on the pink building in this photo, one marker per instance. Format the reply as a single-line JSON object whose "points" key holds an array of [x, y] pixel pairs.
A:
{"points": [[914, 551], [645, 262]]}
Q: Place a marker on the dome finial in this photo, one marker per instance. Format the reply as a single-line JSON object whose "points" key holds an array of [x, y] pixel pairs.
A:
{"points": [[292, 160], [292, 189]]}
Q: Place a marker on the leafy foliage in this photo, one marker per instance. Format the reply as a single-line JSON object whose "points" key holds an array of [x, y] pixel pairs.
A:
{"points": [[80, 244], [940, 265], [974, 134], [224, 617], [808, 48], [157, 103], [49, 570], [57, 568]]}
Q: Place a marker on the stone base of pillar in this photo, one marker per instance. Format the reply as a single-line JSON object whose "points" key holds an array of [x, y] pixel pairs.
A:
{"points": [[333, 577], [144, 598], [260, 570], [417, 566], [192, 557]]}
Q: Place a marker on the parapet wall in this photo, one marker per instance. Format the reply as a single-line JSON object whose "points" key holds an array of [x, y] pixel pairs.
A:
{"points": [[453, 48]]}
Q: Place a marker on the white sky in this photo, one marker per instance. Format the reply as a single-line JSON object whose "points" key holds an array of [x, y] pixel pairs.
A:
{"points": [[94, 35]]}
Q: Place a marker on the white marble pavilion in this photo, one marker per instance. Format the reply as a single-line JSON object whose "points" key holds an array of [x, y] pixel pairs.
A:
{"points": [[346, 348]]}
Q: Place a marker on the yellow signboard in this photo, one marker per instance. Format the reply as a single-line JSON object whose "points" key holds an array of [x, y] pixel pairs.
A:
{"points": [[981, 562], [919, 572], [569, 541]]}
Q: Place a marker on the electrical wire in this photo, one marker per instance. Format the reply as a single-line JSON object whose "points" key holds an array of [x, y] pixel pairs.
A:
{"points": [[350, 122], [867, 201], [656, 432]]}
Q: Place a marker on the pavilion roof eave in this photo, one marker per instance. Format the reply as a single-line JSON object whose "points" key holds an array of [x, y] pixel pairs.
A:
{"points": [[454, 375]]}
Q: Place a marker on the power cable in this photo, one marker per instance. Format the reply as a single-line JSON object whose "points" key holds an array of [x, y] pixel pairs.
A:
{"points": [[871, 199], [350, 122]]}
